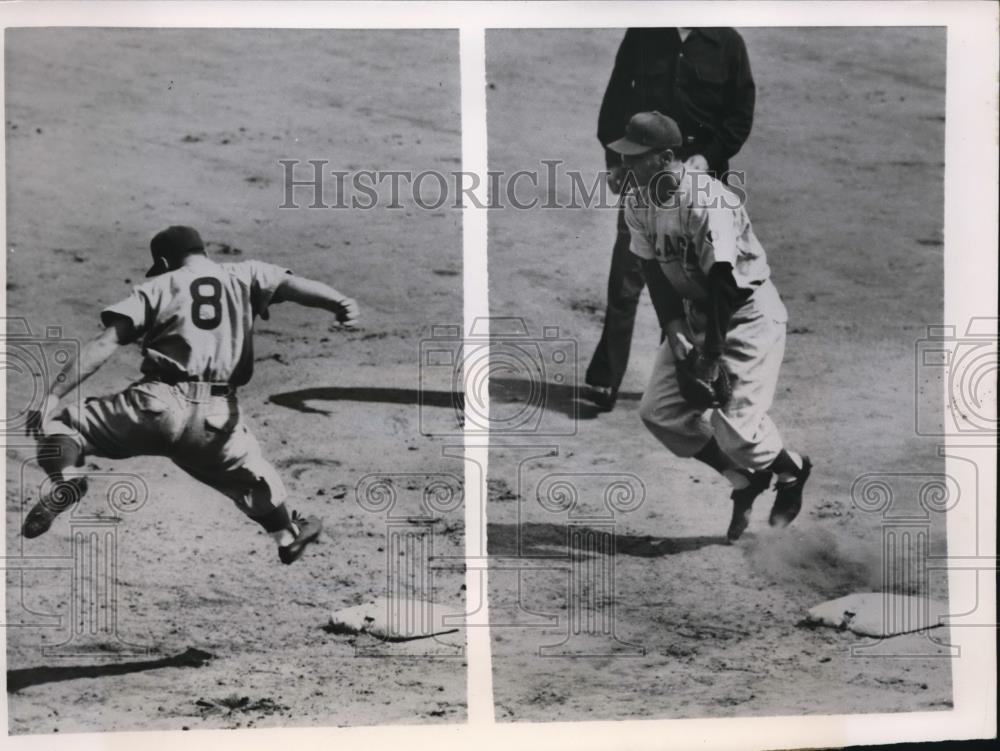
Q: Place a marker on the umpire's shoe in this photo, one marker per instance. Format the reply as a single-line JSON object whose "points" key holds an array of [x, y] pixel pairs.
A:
{"points": [[604, 397], [743, 501], [309, 528], [64, 495], [788, 502]]}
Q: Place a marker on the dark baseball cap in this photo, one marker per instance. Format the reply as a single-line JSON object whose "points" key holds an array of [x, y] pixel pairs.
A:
{"points": [[171, 243], [648, 131]]}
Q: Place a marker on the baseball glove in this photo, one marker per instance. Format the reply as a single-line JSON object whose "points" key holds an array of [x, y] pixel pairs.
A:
{"points": [[696, 389]]}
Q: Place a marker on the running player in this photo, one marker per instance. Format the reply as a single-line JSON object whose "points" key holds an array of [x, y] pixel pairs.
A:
{"points": [[195, 321]]}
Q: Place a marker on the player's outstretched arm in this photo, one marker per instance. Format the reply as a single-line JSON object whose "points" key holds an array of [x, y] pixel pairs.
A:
{"points": [[92, 356], [314, 294]]}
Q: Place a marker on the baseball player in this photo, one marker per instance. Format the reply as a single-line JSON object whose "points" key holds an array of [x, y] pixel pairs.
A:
{"points": [[701, 78], [194, 318], [716, 371]]}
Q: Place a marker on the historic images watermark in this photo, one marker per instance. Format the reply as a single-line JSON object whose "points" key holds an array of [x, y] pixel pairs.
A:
{"points": [[531, 374], [557, 560], [31, 362], [955, 397], [410, 619], [961, 371], [315, 184], [88, 567], [33, 359]]}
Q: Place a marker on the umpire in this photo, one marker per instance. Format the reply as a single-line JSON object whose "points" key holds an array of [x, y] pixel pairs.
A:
{"points": [[701, 78]]}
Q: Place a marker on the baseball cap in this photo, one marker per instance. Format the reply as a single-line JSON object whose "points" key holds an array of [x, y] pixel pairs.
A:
{"points": [[648, 131], [172, 242]]}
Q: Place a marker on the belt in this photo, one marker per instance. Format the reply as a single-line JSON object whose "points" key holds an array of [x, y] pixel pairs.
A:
{"points": [[214, 389]]}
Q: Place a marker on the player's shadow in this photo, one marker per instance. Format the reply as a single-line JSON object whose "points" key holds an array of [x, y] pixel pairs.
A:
{"points": [[25, 677], [566, 398], [534, 539], [297, 400]]}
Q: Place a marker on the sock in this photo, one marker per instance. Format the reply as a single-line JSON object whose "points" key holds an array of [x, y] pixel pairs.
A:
{"points": [[714, 457], [57, 452], [284, 537], [786, 466], [738, 478], [279, 525]]}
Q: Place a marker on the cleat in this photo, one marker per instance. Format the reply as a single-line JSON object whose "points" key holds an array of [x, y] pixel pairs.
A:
{"points": [[64, 495], [603, 396], [309, 529], [743, 501], [788, 503]]}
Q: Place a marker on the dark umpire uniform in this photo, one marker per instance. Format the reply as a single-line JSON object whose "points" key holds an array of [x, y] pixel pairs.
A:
{"points": [[704, 83]]}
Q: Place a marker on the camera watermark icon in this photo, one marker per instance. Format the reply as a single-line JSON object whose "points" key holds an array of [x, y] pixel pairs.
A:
{"points": [[907, 503], [531, 379], [441, 370], [964, 370], [31, 363], [90, 567], [567, 529], [409, 610]]}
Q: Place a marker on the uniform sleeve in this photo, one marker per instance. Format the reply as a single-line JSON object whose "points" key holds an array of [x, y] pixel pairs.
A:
{"points": [[714, 234], [265, 278], [724, 298], [139, 309], [642, 242], [669, 306]]}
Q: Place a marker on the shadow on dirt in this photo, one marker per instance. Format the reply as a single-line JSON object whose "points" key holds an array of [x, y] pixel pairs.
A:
{"points": [[551, 540], [564, 398], [297, 399], [25, 677], [558, 397]]}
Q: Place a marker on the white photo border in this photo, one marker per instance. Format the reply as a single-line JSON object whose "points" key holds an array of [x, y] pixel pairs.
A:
{"points": [[970, 291]]}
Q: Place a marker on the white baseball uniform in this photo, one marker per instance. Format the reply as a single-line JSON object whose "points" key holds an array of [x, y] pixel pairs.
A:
{"points": [[702, 224], [196, 328]]}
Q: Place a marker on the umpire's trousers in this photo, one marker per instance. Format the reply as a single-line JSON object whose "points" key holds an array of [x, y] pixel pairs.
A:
{"points": [[625, 283]]}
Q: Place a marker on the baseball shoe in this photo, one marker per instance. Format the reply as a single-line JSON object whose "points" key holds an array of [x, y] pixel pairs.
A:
{"points": [[603, 396], [64, 495], [788, 502], [743, 501], [309, 529]]}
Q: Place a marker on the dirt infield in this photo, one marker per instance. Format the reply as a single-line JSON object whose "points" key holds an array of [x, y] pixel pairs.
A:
{"points": [[113, 135], [845, 181]]}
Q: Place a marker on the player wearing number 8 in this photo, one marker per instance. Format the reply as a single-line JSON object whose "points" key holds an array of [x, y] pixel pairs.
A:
{"points": [[195, 321]]}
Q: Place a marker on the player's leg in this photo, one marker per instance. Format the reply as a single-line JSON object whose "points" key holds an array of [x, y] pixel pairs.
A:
{"points": [[686, 431], [219, 450], [681, 428], [56, 453], [118, 426], [744, 430], [610, 360]]}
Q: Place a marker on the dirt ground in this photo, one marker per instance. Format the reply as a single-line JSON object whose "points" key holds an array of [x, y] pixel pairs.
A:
{"points": [[112, 136], [845, 181]]}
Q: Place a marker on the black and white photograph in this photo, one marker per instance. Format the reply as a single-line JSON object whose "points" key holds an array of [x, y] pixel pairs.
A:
{"points": [[220, 505], [594, 376], [710, 500]]}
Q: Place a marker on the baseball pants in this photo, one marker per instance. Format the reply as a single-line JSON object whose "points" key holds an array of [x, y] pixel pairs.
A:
{"points": [[204, 435], [754, 348]]}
